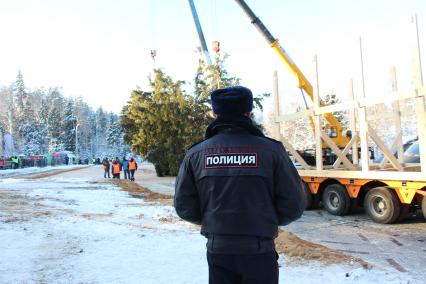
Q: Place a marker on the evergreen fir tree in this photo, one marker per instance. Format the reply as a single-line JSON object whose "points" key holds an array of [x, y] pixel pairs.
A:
{"points": [[158, 124]]}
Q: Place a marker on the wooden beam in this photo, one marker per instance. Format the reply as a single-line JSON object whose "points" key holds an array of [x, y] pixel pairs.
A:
{"points": [[346, 151], [352, 123], [337, 151], [293, 116], [420, 100], [295, 154], [388, 154], [317, 119], [393, 148], [336, 107], [278, 133], [396, 96], [363, 127], [397, 118]]}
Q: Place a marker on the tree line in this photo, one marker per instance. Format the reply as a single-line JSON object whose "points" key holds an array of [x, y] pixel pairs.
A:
{"points": [[44, 120]]}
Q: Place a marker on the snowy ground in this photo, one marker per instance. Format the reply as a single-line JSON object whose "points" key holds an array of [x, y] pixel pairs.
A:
{"points": [[76, 227]]}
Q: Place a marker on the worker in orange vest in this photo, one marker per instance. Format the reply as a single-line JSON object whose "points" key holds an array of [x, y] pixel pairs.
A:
{"points": [[116, 169], [133, 166]]}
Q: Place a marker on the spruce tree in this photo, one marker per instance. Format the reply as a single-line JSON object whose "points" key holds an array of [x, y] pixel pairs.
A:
{"points": [[160, 124]]}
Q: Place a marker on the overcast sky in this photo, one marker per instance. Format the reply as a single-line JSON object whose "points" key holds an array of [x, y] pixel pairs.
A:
{"points": [[100, 49]]}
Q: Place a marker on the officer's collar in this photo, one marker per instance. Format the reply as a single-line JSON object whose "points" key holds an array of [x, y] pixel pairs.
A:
{"points": [[232, 122]]}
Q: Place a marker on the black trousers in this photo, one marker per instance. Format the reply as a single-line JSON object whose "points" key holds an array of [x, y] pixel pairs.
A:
{"points": [[132, 174], [243, 268], [126, 174], [241, 260]]}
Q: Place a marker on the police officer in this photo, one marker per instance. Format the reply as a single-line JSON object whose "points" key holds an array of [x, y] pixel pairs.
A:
{"points": [[240, 186]]}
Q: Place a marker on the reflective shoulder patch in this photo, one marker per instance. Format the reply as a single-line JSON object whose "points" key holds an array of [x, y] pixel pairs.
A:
{"points": [[230, 160]]}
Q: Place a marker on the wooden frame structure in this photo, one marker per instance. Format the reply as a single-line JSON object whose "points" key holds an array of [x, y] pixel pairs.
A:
{"points": [[358, 173]]}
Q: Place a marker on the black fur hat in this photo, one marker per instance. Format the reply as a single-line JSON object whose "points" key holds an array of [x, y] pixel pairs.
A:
{"points": [[232, 100]]}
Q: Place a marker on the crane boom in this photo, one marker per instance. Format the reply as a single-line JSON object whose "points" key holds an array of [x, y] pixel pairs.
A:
{"points": [[304, 84], [200, 32]]}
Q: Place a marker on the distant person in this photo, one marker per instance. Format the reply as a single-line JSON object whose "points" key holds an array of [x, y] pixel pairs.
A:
{"points": [[1, 163], [107, 166], [133, 166], [116, 169], [125, 167], [15, 162], [67, 160]]}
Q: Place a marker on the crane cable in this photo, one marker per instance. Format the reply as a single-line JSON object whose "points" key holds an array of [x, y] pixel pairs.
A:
{"points": [[153, 51], [215, 42]]}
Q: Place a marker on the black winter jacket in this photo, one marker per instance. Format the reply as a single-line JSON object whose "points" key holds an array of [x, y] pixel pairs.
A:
{"points": [[235, 183]]}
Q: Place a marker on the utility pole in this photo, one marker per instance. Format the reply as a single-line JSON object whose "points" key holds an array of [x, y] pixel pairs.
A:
{"points": [[76, 141]]}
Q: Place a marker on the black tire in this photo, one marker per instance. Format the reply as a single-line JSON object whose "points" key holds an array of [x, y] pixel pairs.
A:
{"points": [[404, 213], [308, 196], [335, 200], [424, 206], [316, 201], [382, 205]]}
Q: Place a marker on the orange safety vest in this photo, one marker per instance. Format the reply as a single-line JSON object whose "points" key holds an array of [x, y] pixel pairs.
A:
{"points": [[132, 165], [115, 168]]}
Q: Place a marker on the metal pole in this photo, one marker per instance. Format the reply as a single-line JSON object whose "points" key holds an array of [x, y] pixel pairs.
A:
{"points": [[76, 141]]}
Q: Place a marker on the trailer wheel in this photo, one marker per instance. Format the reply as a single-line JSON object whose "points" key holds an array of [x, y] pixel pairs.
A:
{"points": [[382, 205], [335, 199], [308, 195], [424, 206]]}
